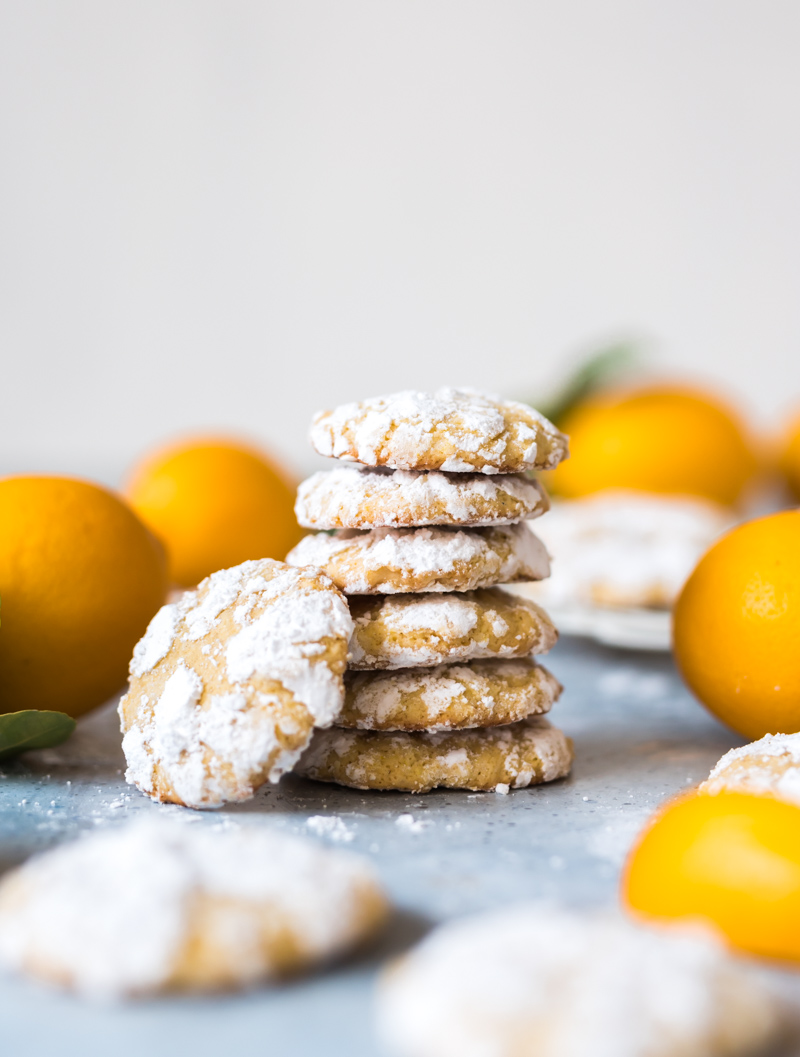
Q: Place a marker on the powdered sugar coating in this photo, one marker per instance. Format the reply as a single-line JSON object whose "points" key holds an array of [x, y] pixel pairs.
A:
{"points": [[364, 498], [536, 979], [159, 904], [517, 755], [769, 766], [455, 430], [412, 631], [255, 661], [448, 697], [397, 561], [623, 548]]}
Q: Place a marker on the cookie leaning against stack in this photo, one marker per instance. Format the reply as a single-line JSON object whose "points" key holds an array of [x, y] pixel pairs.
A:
{"points": [[441, 689]]}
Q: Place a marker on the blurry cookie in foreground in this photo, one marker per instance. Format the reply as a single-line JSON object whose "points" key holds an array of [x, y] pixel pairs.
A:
{"points": [[625, 548], [411, 631], [165, 906], [230, 681], [457, 430], [537, 981], [769, 767], [398, 561], [496, 758], [449, 697]]}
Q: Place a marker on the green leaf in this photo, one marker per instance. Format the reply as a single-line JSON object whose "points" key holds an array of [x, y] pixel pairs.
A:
{"points": [[596, 372], [32, 729]]}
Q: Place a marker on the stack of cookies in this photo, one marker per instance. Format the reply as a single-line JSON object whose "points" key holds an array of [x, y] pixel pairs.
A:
{"points": [[441, 687]]}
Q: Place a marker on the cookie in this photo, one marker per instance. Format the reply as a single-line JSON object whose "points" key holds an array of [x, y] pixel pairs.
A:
{"points": [[625, 549], [539, 980], [449, 697], [768, 767], [364, 498], [229, 682], [163, 906], [456, 430], [413, 631], [397, 561], [498, 758]]}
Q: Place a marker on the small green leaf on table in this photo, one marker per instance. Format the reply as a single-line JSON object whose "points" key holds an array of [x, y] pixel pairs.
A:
{"points": [[32, 729]]}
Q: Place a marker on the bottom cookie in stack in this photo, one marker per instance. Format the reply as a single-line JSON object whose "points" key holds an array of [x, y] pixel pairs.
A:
{"points": [[476, 725]]}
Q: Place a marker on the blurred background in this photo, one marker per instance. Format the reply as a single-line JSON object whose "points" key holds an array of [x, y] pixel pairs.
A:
{"points": [[228, 215]]}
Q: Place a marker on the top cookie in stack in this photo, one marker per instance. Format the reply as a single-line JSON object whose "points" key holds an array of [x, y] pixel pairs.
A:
{"points": [[425, 529]]}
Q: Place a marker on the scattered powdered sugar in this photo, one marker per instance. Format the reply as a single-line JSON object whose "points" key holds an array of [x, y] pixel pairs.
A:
{"points": [[450, 616], [111, 913], [454, 430], [361, 498], [330, 826], [539, 979], [410, 824]]}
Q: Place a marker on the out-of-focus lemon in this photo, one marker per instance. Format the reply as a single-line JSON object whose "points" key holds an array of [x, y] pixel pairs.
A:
{"points": [[659, 438], [789, 458], [731, 859], [736, 627], [80, 578], [214, 503]]}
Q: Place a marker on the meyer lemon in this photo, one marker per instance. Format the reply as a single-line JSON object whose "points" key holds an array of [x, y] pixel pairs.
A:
{"points": [[661, 438], [214, 503], [731, 859], [80, 578], [736, 627], [789, 459]]}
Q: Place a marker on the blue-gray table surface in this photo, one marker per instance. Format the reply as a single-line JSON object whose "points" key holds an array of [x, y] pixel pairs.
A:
{"points": [[639, 738]]}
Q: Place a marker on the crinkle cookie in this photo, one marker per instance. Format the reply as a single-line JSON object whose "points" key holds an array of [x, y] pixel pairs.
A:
{"points": [[538, 981], [364, 498], [768, 767], [161, 905], [397, 561], [497, 758], [455, 430], [417, 631], [619, 548], [449, 697], [229, 682]]}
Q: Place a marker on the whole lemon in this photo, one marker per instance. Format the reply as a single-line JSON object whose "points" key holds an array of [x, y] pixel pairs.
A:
{"points": [[214, 503], [658, 438], [736, 627], [731, 859], [80, 578]]}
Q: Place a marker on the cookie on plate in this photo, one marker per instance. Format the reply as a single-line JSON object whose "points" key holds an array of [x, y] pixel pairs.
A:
{"points": [[456, 430], [364, 498], [160, 905], [538, 980], [230, 681], [448, 697], [767, 767], [497, 758], [398, 561], [412, 631]]}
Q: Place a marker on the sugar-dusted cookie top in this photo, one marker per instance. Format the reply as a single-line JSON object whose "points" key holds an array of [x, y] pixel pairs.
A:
{"points": [[497, 758], [767, 767], [367, 497], [449, 697], [395, 561], [411, 631], [537, 979], [452, 429], [229, 682], [159, 905]]}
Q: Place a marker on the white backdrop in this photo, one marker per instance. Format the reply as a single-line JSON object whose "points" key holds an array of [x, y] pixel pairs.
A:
{"points": [[227, 214]]}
